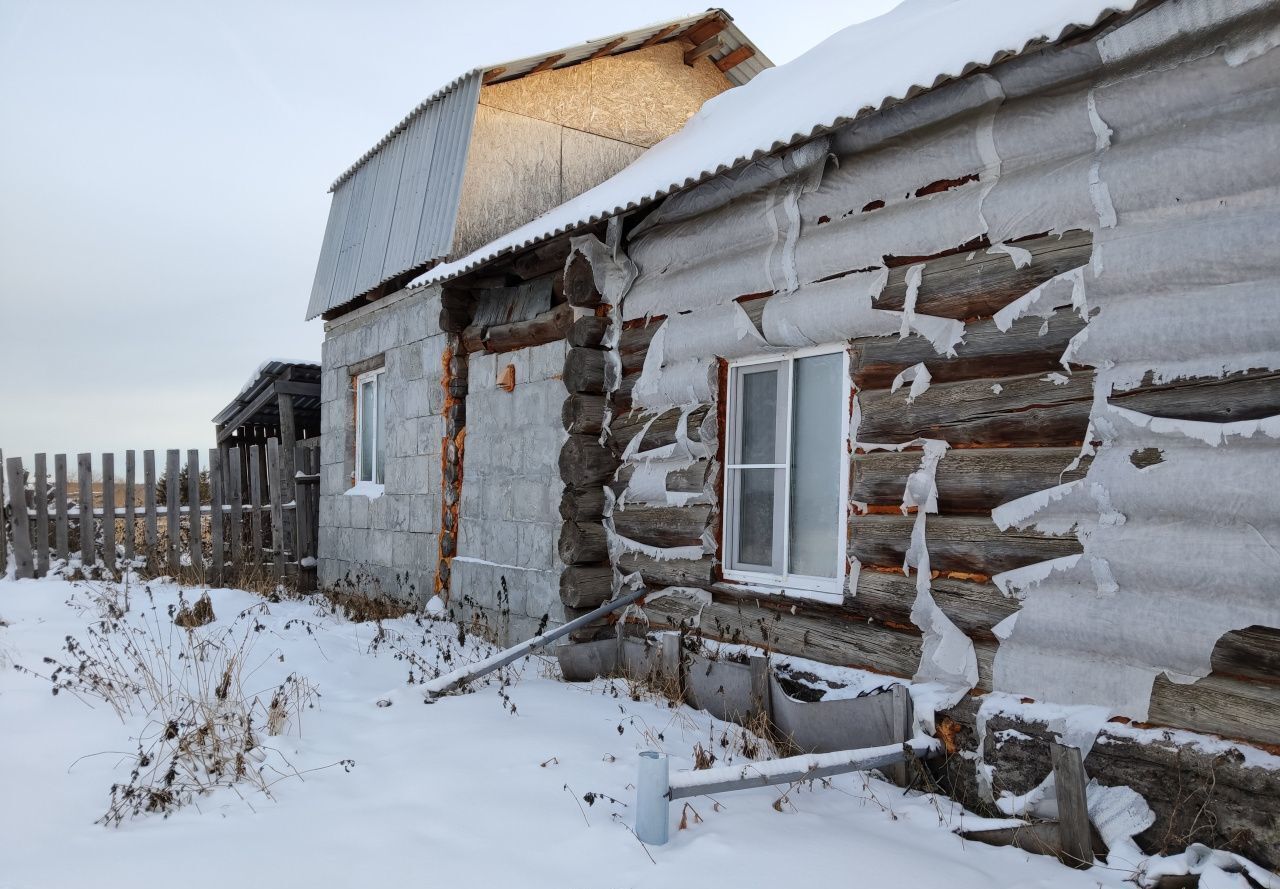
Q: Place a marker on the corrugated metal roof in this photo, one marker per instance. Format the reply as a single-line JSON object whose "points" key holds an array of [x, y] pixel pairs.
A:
{"points": [[265, 376], [865, 68], [394, 210]]}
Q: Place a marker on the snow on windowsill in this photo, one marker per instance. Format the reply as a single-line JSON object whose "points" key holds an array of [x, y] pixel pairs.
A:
{"points": [[372, 490]]}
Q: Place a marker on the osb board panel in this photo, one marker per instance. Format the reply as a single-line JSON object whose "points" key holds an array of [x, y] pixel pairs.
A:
{"points": [[638, 97], [589, 160]]}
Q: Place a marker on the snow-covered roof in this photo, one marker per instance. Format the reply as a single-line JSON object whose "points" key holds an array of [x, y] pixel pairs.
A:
{"points": [[918, 45]]}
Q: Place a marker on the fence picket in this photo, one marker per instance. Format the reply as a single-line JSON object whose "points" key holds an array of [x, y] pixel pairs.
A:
{"points": [[109, 511], [236, 498], [42, 515], [149, 493], [277, 505], [217, 540], [4, 533], [61, 535], [173, 511], [19, 523], [88, 539], [130, 521], [255, 501], [195, 537]]}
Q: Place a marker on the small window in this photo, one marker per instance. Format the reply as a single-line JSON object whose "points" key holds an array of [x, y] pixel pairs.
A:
{"points": [[370, 427], [786, 472]]}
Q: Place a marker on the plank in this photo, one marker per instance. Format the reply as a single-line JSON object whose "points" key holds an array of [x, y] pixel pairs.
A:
{"points": [[1073, 809], [152, 535], [19, 524], [61, 535], [130, 505], [235, 496], [87, 536], [217, 538], [277, 505], [304, 523], [41, 484], [964, 544], [109, 512], [734, 58], [195, 533], [173, 517], [255, 502]]}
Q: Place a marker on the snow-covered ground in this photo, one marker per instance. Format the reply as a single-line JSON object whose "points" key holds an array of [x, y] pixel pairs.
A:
{"points": [[527, 783]]}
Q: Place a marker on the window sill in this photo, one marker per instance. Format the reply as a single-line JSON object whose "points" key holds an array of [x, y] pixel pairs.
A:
{"points": [[365, 489], [833, 595]]}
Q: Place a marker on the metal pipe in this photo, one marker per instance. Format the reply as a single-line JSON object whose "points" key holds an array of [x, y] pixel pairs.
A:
{"points": [[653, 818], [461, 676]]}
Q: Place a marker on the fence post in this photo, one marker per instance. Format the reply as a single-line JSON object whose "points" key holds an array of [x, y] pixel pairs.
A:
{"points": [[61, 535], [4, 533], [173, 509], [255, 503], [235, 496], [19, 521], [217, 540], [109, 511], [42, 515], [277, 505], [653, 782], [195, 535], [1073, 811], [149, 508], [130, 496], [88, 540]]}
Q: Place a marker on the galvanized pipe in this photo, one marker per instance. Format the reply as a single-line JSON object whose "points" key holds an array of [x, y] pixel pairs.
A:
{"points": [[653, 818]]}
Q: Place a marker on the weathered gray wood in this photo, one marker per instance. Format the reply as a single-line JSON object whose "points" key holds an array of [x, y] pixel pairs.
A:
{"points": [[130, 505], [964, 544], [255, 502], [152, 534], [288, 442], [586, 586], [691, 479], [1073, 809], [19, 522], [304, 517], [88, 539], [633, 345], [173, 510], [582, 504], [662, 431], [277, 510], [761, 709], [582, 543], [969, 480], [585, 370], [579, 283], [669, 572], [217, 536], [235, 496], [41, 484], [663, 526], [61, 533], [583, 413], [109, 512], [547, 327], [973, 606], [588, 331], [584, 461], [4, 531], [195, 536]]}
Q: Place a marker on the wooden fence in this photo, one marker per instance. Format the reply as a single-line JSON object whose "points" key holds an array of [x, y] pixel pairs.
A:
{"points": [[245, 520]]}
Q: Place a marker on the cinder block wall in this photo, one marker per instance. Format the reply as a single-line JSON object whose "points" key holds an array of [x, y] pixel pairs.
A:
{"points": [[509, 515], [389, 543]]}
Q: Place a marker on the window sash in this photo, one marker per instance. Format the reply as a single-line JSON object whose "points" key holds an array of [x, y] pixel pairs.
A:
{"points": [[776, 576], [370, 426]]}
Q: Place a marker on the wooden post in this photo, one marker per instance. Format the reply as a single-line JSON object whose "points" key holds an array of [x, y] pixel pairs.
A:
{"points": [[217, 540], [87, 542], [149, 507], [109, 511], [234, 486], [130, 498], [277, 504], [195, 537], [19, 522], [60, 533], [4, 535], [255, 503], [1073, 810], [288, 441], [303, 518], [761, 696], [42, 516], [673, 663], [173, 509]]}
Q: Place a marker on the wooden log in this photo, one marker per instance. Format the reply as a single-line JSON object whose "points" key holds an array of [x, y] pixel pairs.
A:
{"points": [[1218, 705], [582, 543], [970, 481], [61, 533], [663, 526], [963, 544], [585, 462], [149, 508], [1250, 653], [457, 306], [217, 538], [579, 283], [277, 506], [662, 431], [586, 586], [41, 484], [542, 260], [547, 327], [583, 413], [234, 484], [669, 572], [986, 351], [582, 504], [173, 513], [692, 479], [195, 533], [255, 502], [973, 606], [633, 345], [19, 522], [588, 332], [109, 512], [88, 539], [1073, 810], [585, 371], [130, 505]]}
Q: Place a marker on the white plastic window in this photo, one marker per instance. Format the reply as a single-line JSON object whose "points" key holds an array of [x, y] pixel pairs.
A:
{"points": [[786, 473], [370, 427]]}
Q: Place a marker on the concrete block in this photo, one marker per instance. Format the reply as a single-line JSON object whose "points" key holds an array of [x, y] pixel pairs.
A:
{"points": [[378, 512], [424, 513], [359, 511]]}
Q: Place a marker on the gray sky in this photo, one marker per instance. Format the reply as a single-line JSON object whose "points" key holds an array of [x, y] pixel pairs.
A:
{"points": [[163, 176]]}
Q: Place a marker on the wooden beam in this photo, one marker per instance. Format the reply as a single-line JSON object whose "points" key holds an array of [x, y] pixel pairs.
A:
{"points": [[659, 36], [709, 27], [705, 48], [606, 49], [493, 74], [735, 58], [546, 63]]}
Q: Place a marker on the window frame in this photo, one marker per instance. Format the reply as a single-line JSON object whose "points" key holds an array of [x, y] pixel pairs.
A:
{"points": [[357, 384], [822, 589]]}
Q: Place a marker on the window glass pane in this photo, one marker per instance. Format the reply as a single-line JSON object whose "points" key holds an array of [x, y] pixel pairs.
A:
{"points": [[758, 408], [755, 516], [367, 413], [815, 465], [381, 436]]}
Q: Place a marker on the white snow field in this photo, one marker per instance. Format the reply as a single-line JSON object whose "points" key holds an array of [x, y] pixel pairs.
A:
{"points": [[486, 789]]}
